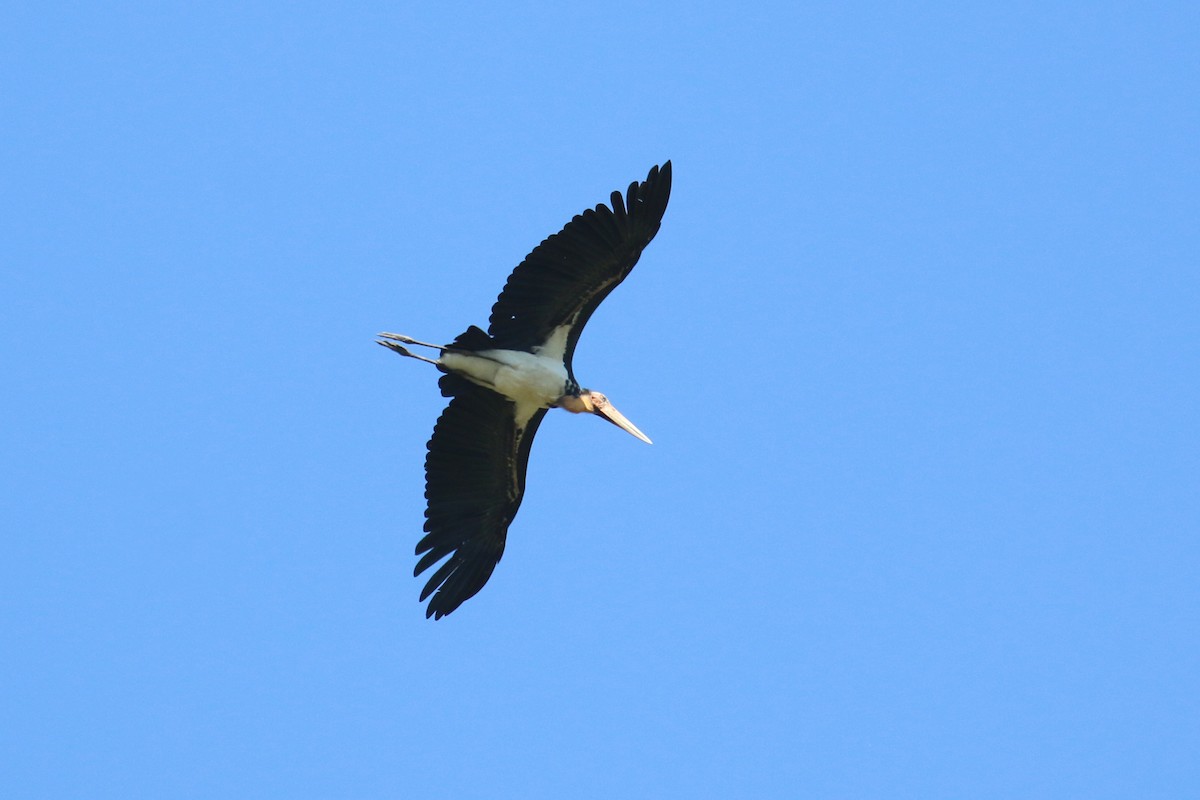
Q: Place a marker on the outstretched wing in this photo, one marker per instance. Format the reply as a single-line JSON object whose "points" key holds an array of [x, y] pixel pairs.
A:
{"points": [[566, 276], [474, 481]]}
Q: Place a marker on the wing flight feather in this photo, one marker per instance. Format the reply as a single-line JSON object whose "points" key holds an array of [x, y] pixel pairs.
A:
{"points": [[474, 482], [567, 276]]}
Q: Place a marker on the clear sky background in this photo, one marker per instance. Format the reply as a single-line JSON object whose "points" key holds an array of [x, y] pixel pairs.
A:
{"points": [[918, 345]]}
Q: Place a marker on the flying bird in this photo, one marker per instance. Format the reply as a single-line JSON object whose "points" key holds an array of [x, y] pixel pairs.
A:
{"points": [[501, 383]]}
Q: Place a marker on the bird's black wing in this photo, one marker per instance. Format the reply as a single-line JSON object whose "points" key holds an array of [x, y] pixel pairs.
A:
{"points": [[569, 274], [474, 481]]}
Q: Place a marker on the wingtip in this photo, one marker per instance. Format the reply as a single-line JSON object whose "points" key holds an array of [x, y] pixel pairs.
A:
{"points": [[436, 610], [658, 182]]}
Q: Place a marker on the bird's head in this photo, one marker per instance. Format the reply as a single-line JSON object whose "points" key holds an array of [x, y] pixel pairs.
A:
{"points": [[590, 402]]}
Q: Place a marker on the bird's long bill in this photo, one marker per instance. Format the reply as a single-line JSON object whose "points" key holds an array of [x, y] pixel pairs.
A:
{"points": [[610, 413]]}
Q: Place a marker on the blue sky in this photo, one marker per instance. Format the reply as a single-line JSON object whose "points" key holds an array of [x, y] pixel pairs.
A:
{"points": [[917, 345]]}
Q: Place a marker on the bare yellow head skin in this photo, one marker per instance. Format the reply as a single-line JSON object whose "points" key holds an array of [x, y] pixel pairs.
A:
{"points": [[590, 402]]}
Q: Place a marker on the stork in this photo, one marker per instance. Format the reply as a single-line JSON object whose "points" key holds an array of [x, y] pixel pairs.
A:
{"points": [[503, 381]]}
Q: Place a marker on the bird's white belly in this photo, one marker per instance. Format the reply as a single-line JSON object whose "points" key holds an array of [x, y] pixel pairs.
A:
{"points": [[522, 377]]}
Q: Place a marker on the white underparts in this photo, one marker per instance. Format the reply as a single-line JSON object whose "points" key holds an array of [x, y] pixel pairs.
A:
{"points": [[533, 381]]}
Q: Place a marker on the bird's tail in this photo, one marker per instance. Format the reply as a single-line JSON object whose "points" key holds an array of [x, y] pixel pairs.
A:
{"points": [[472, 340]]}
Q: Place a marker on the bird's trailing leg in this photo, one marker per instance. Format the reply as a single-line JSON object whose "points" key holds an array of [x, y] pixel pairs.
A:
{"points": [[392, 342], [400, 337]]}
